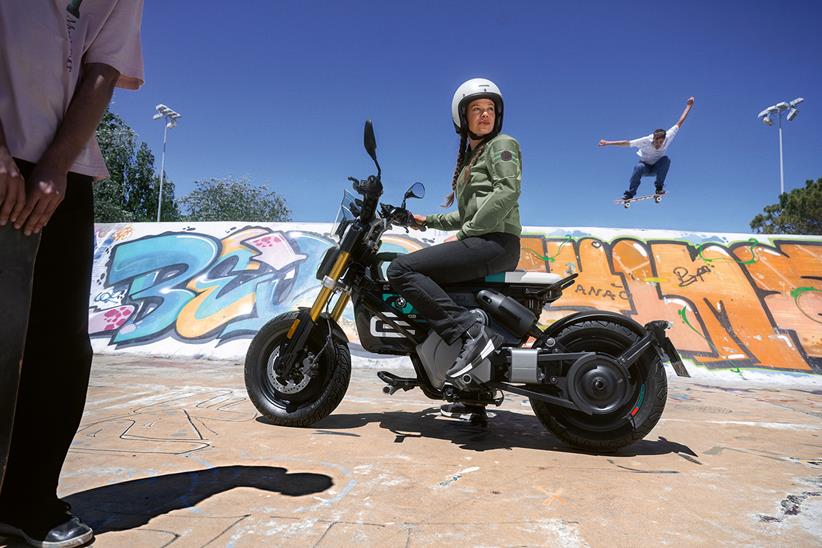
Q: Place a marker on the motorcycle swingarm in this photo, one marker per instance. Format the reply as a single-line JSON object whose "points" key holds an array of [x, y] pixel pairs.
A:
{"points": [[547, 398]]}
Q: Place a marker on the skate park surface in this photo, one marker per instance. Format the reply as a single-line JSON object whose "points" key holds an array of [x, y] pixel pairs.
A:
{"points": [[172, 453]]}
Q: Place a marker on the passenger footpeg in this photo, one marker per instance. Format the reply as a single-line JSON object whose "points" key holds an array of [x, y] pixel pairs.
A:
{"points": [[395, 383]]}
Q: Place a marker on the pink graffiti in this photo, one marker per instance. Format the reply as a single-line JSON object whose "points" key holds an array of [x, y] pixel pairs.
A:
{"points": [[275, 250], [111, 319]]}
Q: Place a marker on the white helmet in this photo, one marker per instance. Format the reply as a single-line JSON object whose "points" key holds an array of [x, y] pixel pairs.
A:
{"points": [[476, 88]]}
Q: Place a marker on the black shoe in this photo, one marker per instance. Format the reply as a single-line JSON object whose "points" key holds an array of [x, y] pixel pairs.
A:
{"points": [[627, 196], [464, 412], [477, 344], [660, 191], [68, 534]]}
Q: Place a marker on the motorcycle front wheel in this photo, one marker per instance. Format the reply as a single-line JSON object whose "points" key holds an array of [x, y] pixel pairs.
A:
{"points": [[323, 371], [645, 391]]}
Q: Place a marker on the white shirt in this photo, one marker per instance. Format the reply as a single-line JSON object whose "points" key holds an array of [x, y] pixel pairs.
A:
{"points": [[647, 153], [43, 47]]}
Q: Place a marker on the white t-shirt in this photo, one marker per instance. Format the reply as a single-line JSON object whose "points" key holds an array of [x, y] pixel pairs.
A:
{"points": [[43, 47], [647, 153]]}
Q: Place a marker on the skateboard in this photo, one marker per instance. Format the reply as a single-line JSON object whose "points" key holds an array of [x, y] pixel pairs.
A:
{"points": [[17, 255], [627, 203]]}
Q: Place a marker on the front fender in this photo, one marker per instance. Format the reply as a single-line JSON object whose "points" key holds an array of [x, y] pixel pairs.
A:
{"points": [[324, 321]]}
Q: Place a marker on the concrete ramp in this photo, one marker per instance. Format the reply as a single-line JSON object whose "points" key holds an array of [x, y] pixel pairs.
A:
{"points": [[741, 305]]}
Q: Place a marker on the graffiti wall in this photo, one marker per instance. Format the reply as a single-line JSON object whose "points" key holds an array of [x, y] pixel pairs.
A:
{"points": [[737, 302]]}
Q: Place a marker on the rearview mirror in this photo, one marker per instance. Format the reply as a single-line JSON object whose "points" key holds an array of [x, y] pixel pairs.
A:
{"points": [[370, 140], [417, 190]]}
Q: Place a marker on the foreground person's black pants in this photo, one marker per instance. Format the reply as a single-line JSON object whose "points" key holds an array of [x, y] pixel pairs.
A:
{"points": [[418, 276], [57, 356]]}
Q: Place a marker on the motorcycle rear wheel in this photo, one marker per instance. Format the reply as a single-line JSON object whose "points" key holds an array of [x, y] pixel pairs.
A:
{"points": [[647, 386], [304, 402]]}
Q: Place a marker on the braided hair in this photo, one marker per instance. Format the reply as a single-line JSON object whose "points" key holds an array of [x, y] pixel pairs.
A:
{"points": [[462, 161], [449, 199]]}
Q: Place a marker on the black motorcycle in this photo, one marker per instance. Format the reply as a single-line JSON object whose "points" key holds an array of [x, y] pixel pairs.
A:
{"points": [[594, 378]]}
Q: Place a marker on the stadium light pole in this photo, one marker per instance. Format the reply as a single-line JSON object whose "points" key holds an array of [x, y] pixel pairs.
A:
{"points": [[778, 110], [169, 117]]}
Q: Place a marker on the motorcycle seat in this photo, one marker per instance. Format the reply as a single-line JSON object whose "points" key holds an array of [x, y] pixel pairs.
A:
{"points": [[522, 277]]}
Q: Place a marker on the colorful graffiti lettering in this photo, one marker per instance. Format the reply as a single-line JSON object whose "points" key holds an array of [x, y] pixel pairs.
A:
{"points": [[196, 287], [732, 303]]}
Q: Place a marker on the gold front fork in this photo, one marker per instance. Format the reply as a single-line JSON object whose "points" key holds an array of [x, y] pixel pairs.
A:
{"points": [[325, 293], [340, 306]]}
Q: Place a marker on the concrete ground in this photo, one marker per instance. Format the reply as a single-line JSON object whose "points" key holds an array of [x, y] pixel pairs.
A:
{"points": [[173, 453]]}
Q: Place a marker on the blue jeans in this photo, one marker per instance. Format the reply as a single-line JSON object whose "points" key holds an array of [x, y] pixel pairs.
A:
{"points": [[660, 169]]}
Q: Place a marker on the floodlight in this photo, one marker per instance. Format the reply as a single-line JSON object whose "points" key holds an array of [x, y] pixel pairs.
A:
{"points": [[169, 116], [776, 111]]}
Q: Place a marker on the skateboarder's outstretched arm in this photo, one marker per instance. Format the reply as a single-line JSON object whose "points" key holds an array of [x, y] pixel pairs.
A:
{"points": [[623, 143], [685, 112]]}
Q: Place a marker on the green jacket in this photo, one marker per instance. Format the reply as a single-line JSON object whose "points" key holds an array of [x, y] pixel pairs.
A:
{"points": [[488, 201]]}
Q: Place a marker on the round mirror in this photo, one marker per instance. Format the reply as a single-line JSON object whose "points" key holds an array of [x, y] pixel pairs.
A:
{"points": [[417, 190]]}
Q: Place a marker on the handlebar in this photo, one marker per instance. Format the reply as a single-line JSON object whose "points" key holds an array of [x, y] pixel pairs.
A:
{"points": [[401, 217]]}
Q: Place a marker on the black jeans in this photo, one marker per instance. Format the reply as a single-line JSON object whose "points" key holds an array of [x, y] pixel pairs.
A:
{"points": [[417, 277], [57, 356]]}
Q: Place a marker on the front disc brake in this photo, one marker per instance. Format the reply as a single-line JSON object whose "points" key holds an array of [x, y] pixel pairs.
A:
{"points": [[290, 386]]}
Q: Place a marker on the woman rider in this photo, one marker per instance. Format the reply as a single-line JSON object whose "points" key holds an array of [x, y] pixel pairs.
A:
{"points": [[486, 185]]}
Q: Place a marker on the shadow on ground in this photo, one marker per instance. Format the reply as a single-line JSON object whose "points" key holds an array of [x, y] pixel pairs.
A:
{"points": [[505, 430], [130, 504]]}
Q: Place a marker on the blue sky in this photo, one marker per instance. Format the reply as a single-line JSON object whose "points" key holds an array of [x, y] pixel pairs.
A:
{"points": [[277, 91]]}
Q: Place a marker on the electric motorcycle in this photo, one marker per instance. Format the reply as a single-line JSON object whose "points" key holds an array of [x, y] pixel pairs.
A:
{"points": [[594, 378]]}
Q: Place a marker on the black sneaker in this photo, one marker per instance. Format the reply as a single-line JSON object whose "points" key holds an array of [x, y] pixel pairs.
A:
{"points": [[464, 412], [68, 534], [627, 196], [660, 191], [477, 344]]}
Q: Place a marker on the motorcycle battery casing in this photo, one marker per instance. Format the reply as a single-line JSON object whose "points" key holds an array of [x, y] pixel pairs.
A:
{"points": [[378, 335]]}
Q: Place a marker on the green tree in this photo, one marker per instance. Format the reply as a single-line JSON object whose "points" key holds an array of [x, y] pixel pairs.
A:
{"points": [[144, 186], [116, 141], [130, 192], [229, 199], [798, 212]]}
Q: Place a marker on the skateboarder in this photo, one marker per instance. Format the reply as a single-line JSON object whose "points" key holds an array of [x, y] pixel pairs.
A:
{"points": [[59, 65], [653, 159]]}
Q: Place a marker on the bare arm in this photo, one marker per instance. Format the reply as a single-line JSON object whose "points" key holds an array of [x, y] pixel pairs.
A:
{"points": [[623, 143], [685, 112], [48, 178]]}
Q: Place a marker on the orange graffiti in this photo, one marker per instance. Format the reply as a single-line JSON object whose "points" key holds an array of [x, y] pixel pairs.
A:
{"points": [[742, 304], [726, 306], [782, 270]]}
